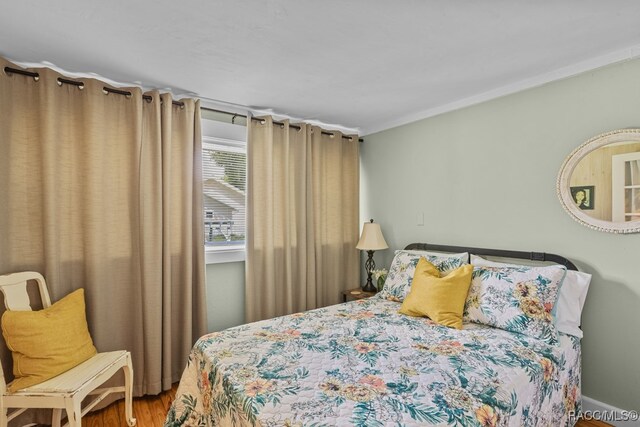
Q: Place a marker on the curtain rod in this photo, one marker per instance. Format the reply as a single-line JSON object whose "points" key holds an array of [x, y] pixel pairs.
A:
{"points": [[35, 76], [148, 98], [262, 120], [80, 84]]}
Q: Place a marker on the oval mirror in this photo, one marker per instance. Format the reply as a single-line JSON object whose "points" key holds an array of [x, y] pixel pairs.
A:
{"points": [[599, 183]]}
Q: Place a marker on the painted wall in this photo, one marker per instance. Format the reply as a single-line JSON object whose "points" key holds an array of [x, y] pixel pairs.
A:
{"points": [[485, 176], [225, 295]]}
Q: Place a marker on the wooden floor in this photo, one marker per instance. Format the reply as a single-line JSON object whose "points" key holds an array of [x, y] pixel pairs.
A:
{"points": [[151, 411]]}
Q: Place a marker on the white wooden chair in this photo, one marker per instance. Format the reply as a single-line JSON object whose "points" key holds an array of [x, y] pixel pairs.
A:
{"points": [[67, 390]]}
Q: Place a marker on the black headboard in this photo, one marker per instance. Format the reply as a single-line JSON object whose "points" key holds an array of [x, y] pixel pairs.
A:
{"points": [[532, 256]]}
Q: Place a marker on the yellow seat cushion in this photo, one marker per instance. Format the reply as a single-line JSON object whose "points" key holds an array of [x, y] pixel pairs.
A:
{"points": [[439, 298], [47, 342]]}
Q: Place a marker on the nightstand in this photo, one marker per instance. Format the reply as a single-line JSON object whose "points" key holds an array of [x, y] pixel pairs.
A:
{"points": [[359, 294]]}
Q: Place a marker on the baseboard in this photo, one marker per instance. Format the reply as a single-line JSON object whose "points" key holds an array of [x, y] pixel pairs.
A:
{"points": [[617, 417]]}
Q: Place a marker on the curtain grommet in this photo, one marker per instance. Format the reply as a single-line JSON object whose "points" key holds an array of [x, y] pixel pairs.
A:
{"points": [[263, 122], [59, 82], [106, 92]]}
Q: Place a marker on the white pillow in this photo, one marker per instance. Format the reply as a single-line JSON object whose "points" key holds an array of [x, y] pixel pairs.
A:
{"points": [[573, 294]]}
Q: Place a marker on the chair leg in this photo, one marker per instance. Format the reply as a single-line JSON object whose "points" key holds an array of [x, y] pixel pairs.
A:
{"points": [[4, 421], [128, 392], [56, 417], [74, 413]]}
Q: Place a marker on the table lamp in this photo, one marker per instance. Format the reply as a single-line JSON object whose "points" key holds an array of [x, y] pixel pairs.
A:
{"points": [[371, 240]]}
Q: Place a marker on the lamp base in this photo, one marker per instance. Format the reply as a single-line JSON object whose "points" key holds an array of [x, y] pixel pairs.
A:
{"points": [[368, 287], [369, 266]]}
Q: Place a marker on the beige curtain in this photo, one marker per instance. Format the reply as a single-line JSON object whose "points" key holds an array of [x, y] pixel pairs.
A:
{"points": [[103, 191], [302, 218]]}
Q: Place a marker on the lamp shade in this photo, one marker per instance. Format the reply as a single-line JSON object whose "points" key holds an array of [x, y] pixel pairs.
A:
{"points": [[371, 238]]}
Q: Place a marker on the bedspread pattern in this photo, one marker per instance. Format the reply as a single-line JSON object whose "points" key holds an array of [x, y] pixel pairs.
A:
{"points": [[363, 364]]}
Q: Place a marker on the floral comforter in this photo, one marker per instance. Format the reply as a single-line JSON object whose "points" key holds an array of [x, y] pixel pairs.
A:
{"points": [[362, 363]]}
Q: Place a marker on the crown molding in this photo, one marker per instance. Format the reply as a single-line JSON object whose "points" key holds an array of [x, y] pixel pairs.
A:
{"points": [[529, 83]]}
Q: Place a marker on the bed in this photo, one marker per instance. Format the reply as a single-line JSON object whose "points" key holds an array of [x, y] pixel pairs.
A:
{"points": [[362, 363]]}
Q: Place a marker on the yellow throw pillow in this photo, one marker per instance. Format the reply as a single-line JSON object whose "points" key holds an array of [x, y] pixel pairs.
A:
{"points": [[439, 298], [47, 342]]}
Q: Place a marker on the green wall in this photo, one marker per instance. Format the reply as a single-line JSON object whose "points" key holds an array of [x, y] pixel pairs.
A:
{"points": [[485, 176], [225, 295]]}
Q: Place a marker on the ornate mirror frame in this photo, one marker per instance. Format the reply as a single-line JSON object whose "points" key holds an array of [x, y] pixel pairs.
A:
{"points": [[569, 165]]}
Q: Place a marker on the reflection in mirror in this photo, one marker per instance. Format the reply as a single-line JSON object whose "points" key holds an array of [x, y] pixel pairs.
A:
{"points": [[626, 202], [599, 183], [605, 184]]}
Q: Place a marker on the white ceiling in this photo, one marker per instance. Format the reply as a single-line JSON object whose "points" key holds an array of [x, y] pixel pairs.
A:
{"points": [[361, 64]]}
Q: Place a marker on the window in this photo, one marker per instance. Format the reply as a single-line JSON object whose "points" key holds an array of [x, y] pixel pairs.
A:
{"points": [[626, 187], [224, 171]]}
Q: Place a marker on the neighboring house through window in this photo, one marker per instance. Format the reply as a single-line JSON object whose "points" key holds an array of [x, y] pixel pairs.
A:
{"points": [[224, 170]]}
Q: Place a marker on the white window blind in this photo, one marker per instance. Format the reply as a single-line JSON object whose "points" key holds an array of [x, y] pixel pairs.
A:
{"points": [[224, 170]]}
